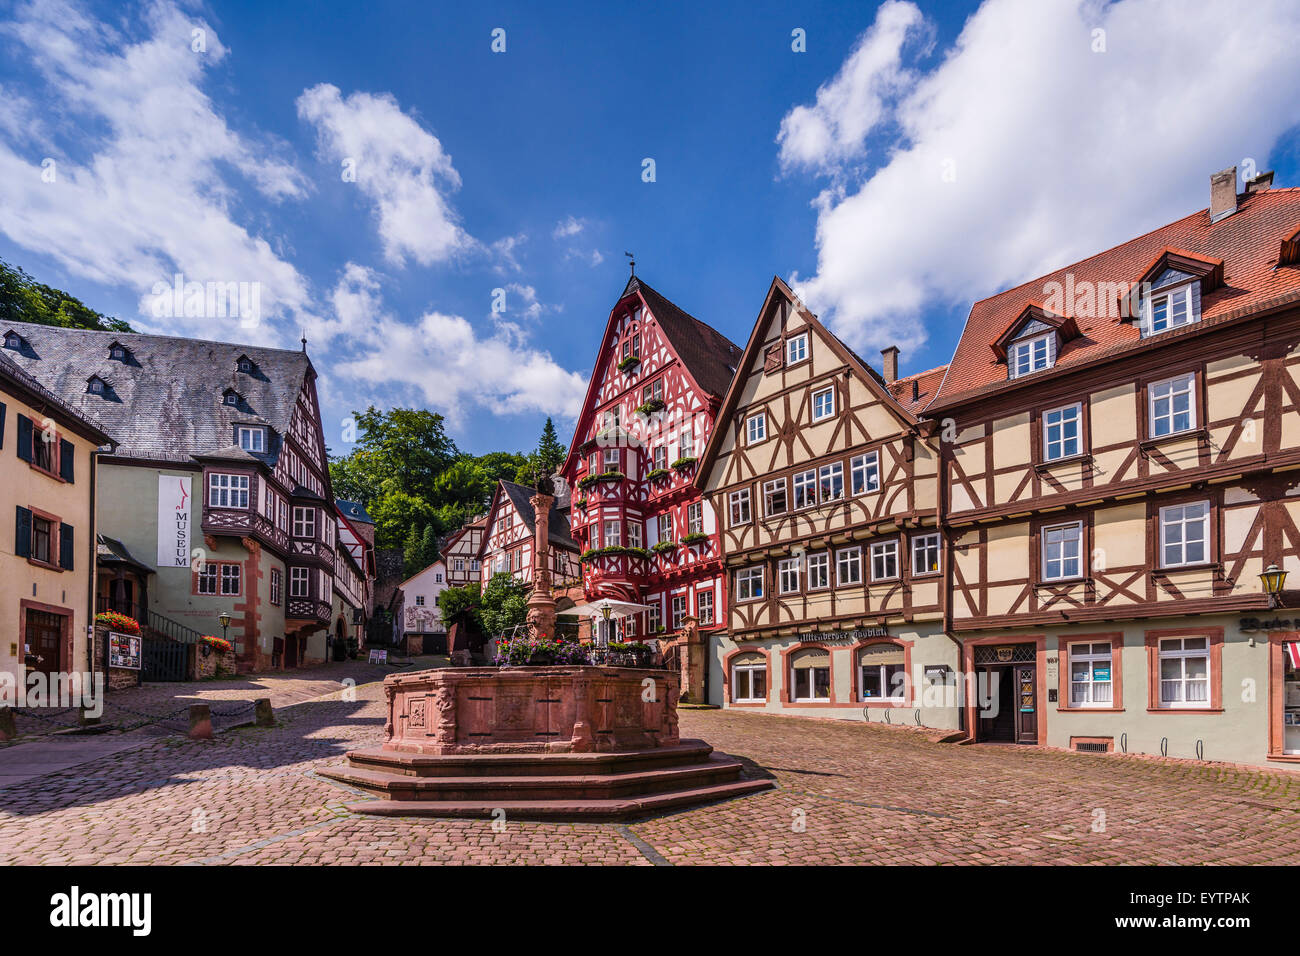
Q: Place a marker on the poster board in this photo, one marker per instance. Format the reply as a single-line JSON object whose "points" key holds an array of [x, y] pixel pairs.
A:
{"points": [[124, 650]]}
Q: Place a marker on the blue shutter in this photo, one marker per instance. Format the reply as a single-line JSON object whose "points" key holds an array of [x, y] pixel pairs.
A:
{"points": [[24, 438], [23, 536], [65, 461], [65, 546]]}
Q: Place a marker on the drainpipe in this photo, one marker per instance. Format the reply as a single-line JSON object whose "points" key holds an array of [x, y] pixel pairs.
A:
{"points": [[92, 544]]}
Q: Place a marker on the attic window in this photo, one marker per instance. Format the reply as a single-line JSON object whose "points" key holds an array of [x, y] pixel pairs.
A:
{"points": [[252, 438], [244, 364], [796, 348], [118, 352], [95, 385], [1031, 355], [13, 340], [1170, 309], [230, 397]]}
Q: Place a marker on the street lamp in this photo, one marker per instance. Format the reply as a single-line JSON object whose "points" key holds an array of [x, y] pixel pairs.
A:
{"points": [[604, 613], [1273, 579], [224, 620]]}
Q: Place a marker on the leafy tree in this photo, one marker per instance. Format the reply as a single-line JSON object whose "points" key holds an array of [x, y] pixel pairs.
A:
{"points": [[504, 604], [23, 299], [461, 605]]}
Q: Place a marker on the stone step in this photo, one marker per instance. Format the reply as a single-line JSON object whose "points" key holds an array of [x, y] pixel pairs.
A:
{"points": [[618, 808], [527, 764], [717, 769]]}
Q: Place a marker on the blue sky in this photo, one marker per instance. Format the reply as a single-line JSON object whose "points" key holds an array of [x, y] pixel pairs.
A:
{"points": [[913, 159]]}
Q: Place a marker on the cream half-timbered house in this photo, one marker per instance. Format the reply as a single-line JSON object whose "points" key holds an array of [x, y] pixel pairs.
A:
{"points": [[647, 534], [460, 552], [827, 487], [1121, 462]]}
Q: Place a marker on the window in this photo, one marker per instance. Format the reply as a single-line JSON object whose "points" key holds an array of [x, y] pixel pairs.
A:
{"points": [[1184, 672], [749, 584], [805, 489], [679, 611], [1169, 310], [925, 554], [848, 567], [252, 439], [864, 472], [1063, 552], [740, 513], [666, 526], [704, 605], [884, 560], [612, 418], [207, 578], [755, 428], [230, 580], [655, 624], [652, 391], [244, 364], [636, 345], [613, 534], [823, 403], [419, 600], [611, 459], [787, 581], [1172, 407], [774, 500], [277, 586], [1184, 534], [473, 564], [437, 575], [298, 582], [95, 386], [231, 398], [819, 571], [594, 466], [796, 348], [810, 675], [227, 491], [458, 564], [216, 577], [117, 353], [695, 518], [634, 534], [13, 341], [44, 449], [42, 539], [748, 678], [304, 522], [686, 444], [1032, 355], [659, 458], [831, 481], [1061, 432], [882, 672], [1091, 684]]}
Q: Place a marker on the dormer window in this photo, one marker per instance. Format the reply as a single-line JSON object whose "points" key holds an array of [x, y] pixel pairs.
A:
{"points": [[118, 352], [244, 364], [1170, 310], [230, 397], [1031, 355], [95, 385], [252, 438], [13, 341]]}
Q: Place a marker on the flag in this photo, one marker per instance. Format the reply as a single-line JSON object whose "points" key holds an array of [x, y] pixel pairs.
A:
{"points": [[1293, 652]]}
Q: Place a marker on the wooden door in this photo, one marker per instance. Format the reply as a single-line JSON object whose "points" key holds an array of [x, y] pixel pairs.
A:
{"points": [[1026, 704], [1000, 725], [44, 639]]}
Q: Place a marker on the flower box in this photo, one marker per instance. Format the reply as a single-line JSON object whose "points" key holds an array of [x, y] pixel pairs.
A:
{"points": [[629, 363], [656, 474], [650, 407], [663, 547], [695, 537], [613, 550], [590, 480], [684, 462], [115, 621]]}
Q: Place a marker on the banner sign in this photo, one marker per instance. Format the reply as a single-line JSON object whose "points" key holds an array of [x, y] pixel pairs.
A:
{"points": [[842, 637], [124, 650], [174, 521]]}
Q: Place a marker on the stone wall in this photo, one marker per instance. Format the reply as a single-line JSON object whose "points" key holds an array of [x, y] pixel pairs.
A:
{"points": [[214, 664], [118, 677]]}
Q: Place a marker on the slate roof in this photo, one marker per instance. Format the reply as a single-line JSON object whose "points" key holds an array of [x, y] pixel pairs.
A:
{"points": [[1249, 242], [557, 529], [353, 511], [112, 551], [165, 402], [709, 355], [14, 377]]}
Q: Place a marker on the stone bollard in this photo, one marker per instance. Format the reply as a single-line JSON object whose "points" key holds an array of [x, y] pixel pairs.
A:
{"points": [[8, 726], [200, 722], [263, 715]]}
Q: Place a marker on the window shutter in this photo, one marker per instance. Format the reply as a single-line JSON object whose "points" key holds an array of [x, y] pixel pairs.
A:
{"points": [[23, 536], [24, 438], [65, 460], [2, 424], [772, 359], [65, 546]]}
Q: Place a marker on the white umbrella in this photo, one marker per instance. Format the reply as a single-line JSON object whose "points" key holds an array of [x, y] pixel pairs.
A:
{"points": [[597, 608]]}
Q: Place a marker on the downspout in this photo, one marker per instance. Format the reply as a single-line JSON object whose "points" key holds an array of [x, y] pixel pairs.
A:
{"points": [[92, 545], [945, 594]]}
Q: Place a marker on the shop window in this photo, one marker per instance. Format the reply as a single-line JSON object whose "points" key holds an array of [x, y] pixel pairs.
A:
{"points": [[810, 675], [1184, 672], [1091, 675], [882, 673], [748, 678]]}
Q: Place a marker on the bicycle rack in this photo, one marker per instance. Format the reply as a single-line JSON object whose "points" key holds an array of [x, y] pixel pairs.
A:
{"points": [[1164, 746], [1200, 749], [916, 715], [1123, 743]]}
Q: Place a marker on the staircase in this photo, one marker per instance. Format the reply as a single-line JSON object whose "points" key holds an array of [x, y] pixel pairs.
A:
{"points": [[544, 786]]}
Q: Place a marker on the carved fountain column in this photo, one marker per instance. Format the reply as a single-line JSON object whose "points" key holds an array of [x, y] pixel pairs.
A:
{"points": [[541, 602]]}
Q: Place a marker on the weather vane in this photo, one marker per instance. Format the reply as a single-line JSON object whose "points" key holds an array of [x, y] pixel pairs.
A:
{"points": [[631, 262]]}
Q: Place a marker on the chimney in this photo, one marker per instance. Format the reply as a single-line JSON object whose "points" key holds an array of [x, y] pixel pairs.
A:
{"points": [[891, 363], [916, 389], [1223, 194], [1261, 182]]}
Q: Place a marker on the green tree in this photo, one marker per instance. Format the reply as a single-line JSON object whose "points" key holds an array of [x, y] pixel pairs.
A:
{"points": [[461, 605], [504, 604], [23, 299], [544, 461]]}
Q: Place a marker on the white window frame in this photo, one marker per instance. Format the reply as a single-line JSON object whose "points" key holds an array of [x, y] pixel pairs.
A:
{"points": [[1172, 388], [704, 606], [804, 480], [787, 576], [829, 411], [634, 534], [678, 609], [923, 544], [1091, 656], [868, 467], [739, 508], [1025, 357], [885, 682], [848, 560], [299, 583], [1183, 653], [830, 473], [1168, 522], [1066, 415], [769, 487], [817, 567], [749, 584], [796, 348], [613, 533], [256, 438], [747, 670], [695, 518], [304, 522], [665, 526], [812, 684], [1168, 296], [756, 428], [227, 491], [882, 553], [1046, 560]]}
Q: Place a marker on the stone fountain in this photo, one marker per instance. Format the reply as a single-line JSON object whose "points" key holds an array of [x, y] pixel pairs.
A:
{"points": [[570, 742]]}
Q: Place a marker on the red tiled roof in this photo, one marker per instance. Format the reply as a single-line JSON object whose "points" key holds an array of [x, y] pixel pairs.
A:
{"points": [[1248, 242], [927, 385]]}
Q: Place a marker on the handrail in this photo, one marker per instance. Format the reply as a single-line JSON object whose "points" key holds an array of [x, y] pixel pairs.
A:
{"points": [[174, 630]]}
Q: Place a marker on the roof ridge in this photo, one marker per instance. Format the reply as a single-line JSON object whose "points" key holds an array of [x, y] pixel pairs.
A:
{"points": [[158, 335]]}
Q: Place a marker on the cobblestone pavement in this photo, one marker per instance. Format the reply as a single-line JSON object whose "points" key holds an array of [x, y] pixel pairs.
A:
{"points": [[848, 793], [231, 700]]}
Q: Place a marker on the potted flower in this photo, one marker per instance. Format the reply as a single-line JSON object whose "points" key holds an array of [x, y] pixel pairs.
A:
{"points": [[656, 473], [695, 537], [684, 462], [116, 621], [629, 363], [664, 547]]}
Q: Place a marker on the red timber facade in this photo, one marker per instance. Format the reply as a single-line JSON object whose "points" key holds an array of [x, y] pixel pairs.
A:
{"points": [[1121, 462], [827, 484], [508, 539], [647, 534]]}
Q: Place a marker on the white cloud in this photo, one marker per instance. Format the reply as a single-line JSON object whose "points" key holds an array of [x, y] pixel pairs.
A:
{"points": [[1024, 150], [569, 226], [140, 190], [400, 166]]}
